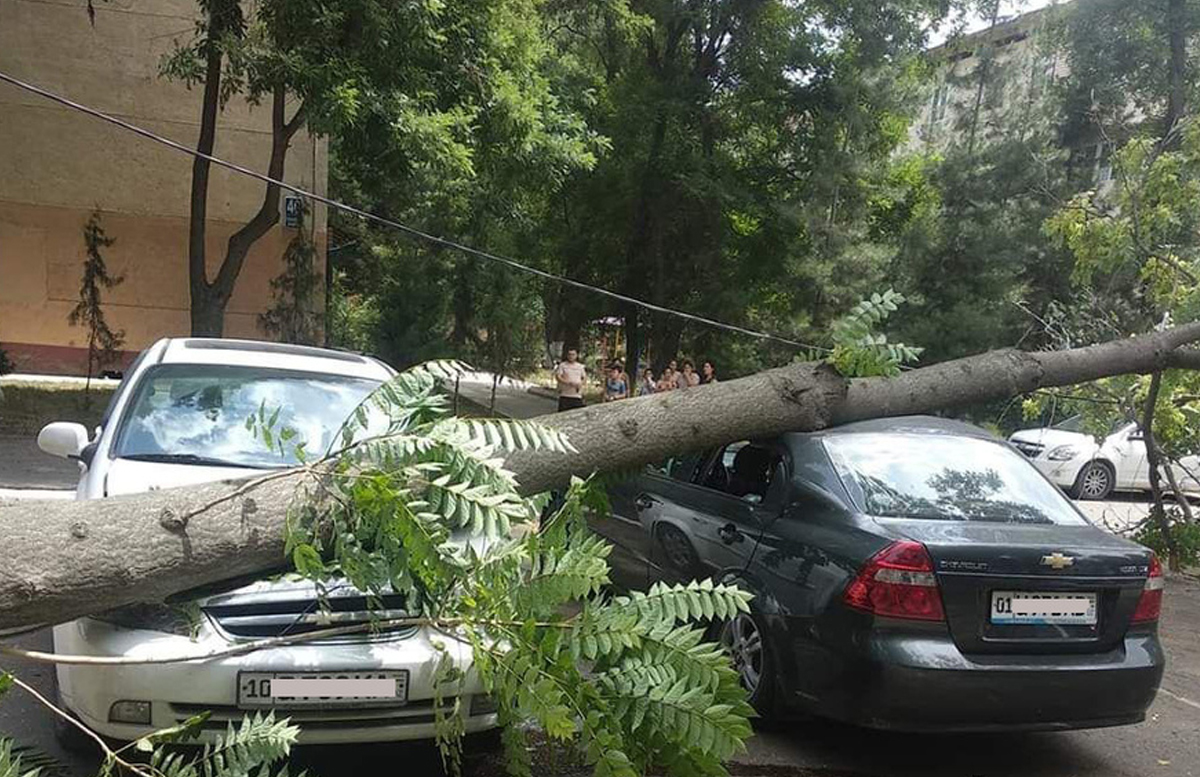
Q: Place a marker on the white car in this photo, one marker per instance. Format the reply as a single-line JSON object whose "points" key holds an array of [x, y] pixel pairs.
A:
{"points": [[178, 418], [1091, 469]]}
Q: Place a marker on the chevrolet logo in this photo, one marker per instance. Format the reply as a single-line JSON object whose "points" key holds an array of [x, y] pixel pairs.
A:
{"points": [[1057, 561]]}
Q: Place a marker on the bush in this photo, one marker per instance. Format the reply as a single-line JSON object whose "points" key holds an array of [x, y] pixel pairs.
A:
{"points": [[1185, 536]]}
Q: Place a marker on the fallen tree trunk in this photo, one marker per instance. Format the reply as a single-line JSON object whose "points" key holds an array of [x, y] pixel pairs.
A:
{"points": [[62, 560]]}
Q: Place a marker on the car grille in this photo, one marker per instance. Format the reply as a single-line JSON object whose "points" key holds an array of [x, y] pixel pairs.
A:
{"points": [[290, 612], [1030, 449], [411, 714]]}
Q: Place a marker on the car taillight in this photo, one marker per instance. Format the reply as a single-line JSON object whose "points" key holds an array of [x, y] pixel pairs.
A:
{"points": [[898, 582], [1149, 606]]}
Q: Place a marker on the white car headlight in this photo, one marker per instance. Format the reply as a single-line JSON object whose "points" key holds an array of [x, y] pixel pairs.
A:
{"points": [[1063, 453]]}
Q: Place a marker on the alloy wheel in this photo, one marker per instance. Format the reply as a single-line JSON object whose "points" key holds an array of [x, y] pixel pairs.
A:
{"points": [[742, 638], [1095, 482]]}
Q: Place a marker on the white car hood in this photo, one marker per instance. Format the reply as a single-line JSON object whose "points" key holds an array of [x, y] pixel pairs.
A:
{"points": [[134, 477], [1052, 438]]}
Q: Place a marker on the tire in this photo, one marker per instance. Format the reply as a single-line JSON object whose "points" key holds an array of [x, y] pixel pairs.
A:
{"points": [[745, 639], [677, 550], [1094, 482]]}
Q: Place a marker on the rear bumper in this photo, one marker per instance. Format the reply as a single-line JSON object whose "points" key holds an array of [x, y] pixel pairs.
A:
{"points": [[924, 683]]}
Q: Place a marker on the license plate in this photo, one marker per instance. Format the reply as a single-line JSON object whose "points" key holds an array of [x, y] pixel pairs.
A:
{"points": [[285, 690], [1058, 609]]}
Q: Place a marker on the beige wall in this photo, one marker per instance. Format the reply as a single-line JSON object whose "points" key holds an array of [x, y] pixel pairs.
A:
{"points": [[57, 165]]}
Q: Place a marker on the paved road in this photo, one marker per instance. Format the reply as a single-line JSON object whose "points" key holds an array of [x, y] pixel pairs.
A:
{"points": [[1167, 744], [23, 465]]}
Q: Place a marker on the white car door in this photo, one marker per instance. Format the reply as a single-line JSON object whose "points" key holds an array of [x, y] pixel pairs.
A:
{"points": [[1127, 451]]}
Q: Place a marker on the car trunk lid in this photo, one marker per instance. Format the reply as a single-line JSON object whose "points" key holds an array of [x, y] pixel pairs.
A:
{"points": [[976, 560]]}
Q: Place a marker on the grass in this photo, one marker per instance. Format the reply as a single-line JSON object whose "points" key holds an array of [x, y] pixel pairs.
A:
{"points": [[25, 407]]}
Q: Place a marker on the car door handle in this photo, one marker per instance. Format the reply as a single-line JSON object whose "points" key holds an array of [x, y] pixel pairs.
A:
{"points": [[729, 534], [645, 501]]}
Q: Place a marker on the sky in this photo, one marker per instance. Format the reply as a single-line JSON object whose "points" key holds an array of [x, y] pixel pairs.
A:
{"points": [[974, 22]]}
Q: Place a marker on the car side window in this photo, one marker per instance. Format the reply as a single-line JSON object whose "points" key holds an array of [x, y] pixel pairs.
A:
{"points": [[744, 470], [681, 468]]}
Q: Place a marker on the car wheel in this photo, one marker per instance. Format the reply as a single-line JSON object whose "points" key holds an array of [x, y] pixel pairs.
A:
{"points": [[677, 548], [1095, 481], [745, 639]]}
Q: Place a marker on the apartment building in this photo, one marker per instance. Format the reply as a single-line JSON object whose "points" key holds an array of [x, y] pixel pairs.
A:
{"points": [[58, 166]]}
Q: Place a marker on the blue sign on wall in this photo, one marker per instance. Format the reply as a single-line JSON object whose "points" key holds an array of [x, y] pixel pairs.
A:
{"points": [[293, 208]]}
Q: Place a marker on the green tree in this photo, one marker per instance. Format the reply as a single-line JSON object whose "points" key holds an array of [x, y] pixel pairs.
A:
{"points": [[408, 90], [293, 316], [740, 136], [103, 342]]}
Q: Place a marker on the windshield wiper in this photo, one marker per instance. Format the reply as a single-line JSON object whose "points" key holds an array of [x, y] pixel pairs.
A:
{"points": [[190, 458]]}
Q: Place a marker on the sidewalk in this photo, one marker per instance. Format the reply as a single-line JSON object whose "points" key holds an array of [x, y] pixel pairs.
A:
{"points": [[514, 398]]}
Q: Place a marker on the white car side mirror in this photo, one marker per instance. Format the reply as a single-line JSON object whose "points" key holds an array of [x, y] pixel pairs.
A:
{"points": [[64, 439]]}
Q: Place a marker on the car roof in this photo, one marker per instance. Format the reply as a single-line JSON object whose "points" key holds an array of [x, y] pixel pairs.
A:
{"points": [[271, 355], [909, 424]]}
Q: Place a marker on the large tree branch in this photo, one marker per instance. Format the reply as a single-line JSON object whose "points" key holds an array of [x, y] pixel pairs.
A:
{"points": [[67, 559]]}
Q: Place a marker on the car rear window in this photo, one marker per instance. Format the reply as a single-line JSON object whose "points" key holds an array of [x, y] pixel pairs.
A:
{"points": [[940, 477]]}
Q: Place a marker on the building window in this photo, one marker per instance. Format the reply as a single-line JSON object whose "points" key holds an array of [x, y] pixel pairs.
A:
{"points": [[941, 97], [1041, 76], [1104, 168]]}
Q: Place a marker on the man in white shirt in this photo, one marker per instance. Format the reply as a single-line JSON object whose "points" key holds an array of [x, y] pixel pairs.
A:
{"points": [[570, 375]]}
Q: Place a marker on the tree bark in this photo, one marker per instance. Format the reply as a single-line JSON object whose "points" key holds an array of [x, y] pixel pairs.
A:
{"points": [[1158, 513], [67, 559], [1177, 85], [202, 314], [209, 299]]}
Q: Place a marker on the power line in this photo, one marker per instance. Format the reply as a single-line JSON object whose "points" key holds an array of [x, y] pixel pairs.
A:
{"points": [[412, 231]]}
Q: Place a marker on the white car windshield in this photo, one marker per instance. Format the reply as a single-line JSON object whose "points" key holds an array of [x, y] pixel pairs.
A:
{"points": [[197, 414], [947, 478]]}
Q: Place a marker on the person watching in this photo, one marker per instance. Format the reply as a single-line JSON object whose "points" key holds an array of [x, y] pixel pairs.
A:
{"points": [[615, 387], [647, 385], [570, 376]]}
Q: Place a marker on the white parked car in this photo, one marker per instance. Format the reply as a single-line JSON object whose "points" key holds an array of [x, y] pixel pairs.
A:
{"points": [[1088, 468], [178, 418]]}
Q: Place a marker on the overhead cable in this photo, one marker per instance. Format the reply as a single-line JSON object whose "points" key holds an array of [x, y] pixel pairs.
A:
{"points": [[412, 231]]}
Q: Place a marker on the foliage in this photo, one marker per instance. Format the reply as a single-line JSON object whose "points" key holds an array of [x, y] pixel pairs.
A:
{"points": [[252, 748], [859, 350], [6, 366], [1119, 60], [293, 316], [1185, 539], [417, 502], [11, 761], [353, 318], [733, 150], [103, 342]]}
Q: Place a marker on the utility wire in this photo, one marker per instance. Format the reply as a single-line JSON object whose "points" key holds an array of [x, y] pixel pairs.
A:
{"points": [[412, 231]]}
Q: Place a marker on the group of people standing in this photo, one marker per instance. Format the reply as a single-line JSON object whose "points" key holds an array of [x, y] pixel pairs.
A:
{"points": [[571, 375]]}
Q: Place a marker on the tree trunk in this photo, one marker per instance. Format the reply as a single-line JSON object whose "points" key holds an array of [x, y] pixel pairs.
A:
{"points": [[1158, 513], [205, 321], [1177, 85], [67, 559], [984, 68], [209, 299]]}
